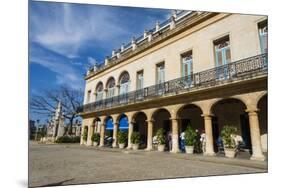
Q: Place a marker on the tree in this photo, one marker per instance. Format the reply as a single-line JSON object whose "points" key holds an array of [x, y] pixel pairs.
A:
{"points": [[46, 103]]}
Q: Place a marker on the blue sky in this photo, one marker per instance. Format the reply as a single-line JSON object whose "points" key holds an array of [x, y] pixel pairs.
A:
{"points": [[65, 39]]}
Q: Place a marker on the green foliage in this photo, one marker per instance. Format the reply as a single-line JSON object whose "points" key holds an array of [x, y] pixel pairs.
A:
{"points": [[190, 136], [135, 138], [122, 137], [226, 133], [85, 135], [76, 139], [95, 137], [68, 139], [160, 136]]}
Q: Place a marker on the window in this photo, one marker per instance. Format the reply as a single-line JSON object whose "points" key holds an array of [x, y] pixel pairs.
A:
{"points": [[263, 36], [222, 51], [140, 80], [160, 78], [88, 96], [160, 74], [110, 88], [187, 64], [124, 83], [99, 91]]}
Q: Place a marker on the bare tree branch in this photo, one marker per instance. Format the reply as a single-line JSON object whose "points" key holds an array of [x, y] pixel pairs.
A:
{"points": [[46, 103]]}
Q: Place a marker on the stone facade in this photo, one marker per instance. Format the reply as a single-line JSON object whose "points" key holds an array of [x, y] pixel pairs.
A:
{"points": [[217, 88]]}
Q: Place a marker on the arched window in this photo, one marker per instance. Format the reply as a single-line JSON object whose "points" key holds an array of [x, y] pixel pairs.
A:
{"points": [[110, 87], [124, 83], [99, 91]]}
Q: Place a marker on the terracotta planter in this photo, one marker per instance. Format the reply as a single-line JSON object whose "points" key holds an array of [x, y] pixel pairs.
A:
{"points": [[121, 145], [230, 153], [161, 147], [189, 149], [135, 146], [96, 143]]}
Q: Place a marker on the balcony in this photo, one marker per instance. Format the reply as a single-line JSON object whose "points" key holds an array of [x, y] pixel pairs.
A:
{"points": [[243, 69]]}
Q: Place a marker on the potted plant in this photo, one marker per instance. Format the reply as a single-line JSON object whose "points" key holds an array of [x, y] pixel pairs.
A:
{"points": [[160, 137], [190, 139], [122, 138], [135, 140], [95, 138], [227, 134]]}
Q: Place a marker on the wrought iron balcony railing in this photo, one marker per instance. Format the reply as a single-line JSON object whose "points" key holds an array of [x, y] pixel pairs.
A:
{"points": [[230, 72]]}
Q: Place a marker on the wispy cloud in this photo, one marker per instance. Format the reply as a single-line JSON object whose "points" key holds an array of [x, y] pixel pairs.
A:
{"points": [[69, 38], [67, 27], [65, 74]]}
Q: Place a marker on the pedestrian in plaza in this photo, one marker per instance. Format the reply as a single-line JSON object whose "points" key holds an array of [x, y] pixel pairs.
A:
{"points": [[170, 140], [203, 141], [197, 144], [182, 142]]}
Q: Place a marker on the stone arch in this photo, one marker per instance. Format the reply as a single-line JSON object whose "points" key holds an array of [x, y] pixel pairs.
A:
{"points": [[155, 111], [135, 114], [123, 121], [235, 98], [99, 87], [140, 125], [263, 120], [109, 81], [97, 125], [190, 114], [261, 96], [232, 112], [162, 119], [124, 77], [109, 124]]}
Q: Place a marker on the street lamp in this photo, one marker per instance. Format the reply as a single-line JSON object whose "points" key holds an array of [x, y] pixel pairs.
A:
{"points": [[37, 124]]}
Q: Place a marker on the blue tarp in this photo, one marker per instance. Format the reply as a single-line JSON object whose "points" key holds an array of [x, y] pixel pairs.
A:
{"points": [[109, 124], [123, 122]]}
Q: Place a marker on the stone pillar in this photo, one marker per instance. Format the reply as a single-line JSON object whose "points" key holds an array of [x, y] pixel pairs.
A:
{"points": [[255, 136], [102, 133], [149, 135], [115, 130], [90, 132], [175, 135], [130, 130], [209, 135]]}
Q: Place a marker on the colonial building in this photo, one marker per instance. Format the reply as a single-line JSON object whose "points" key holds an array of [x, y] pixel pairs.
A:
{"points": [[202, 69]]}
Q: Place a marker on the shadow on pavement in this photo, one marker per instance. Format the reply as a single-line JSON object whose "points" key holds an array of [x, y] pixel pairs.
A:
{"points": [[56, 184]]}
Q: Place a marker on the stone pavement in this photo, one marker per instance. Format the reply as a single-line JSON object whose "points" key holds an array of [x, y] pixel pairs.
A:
{"points": [[66, 164]]}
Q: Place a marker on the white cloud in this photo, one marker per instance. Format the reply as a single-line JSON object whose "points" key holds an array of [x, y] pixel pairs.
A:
{"points": [[92, 61]]}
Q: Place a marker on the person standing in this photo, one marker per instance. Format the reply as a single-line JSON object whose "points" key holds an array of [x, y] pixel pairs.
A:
{"points": [[182, 142], [203, 141], [170, 140]]}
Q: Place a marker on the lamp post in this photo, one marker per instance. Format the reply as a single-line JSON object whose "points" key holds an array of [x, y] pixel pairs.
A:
{"points": [[37, 124]]}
